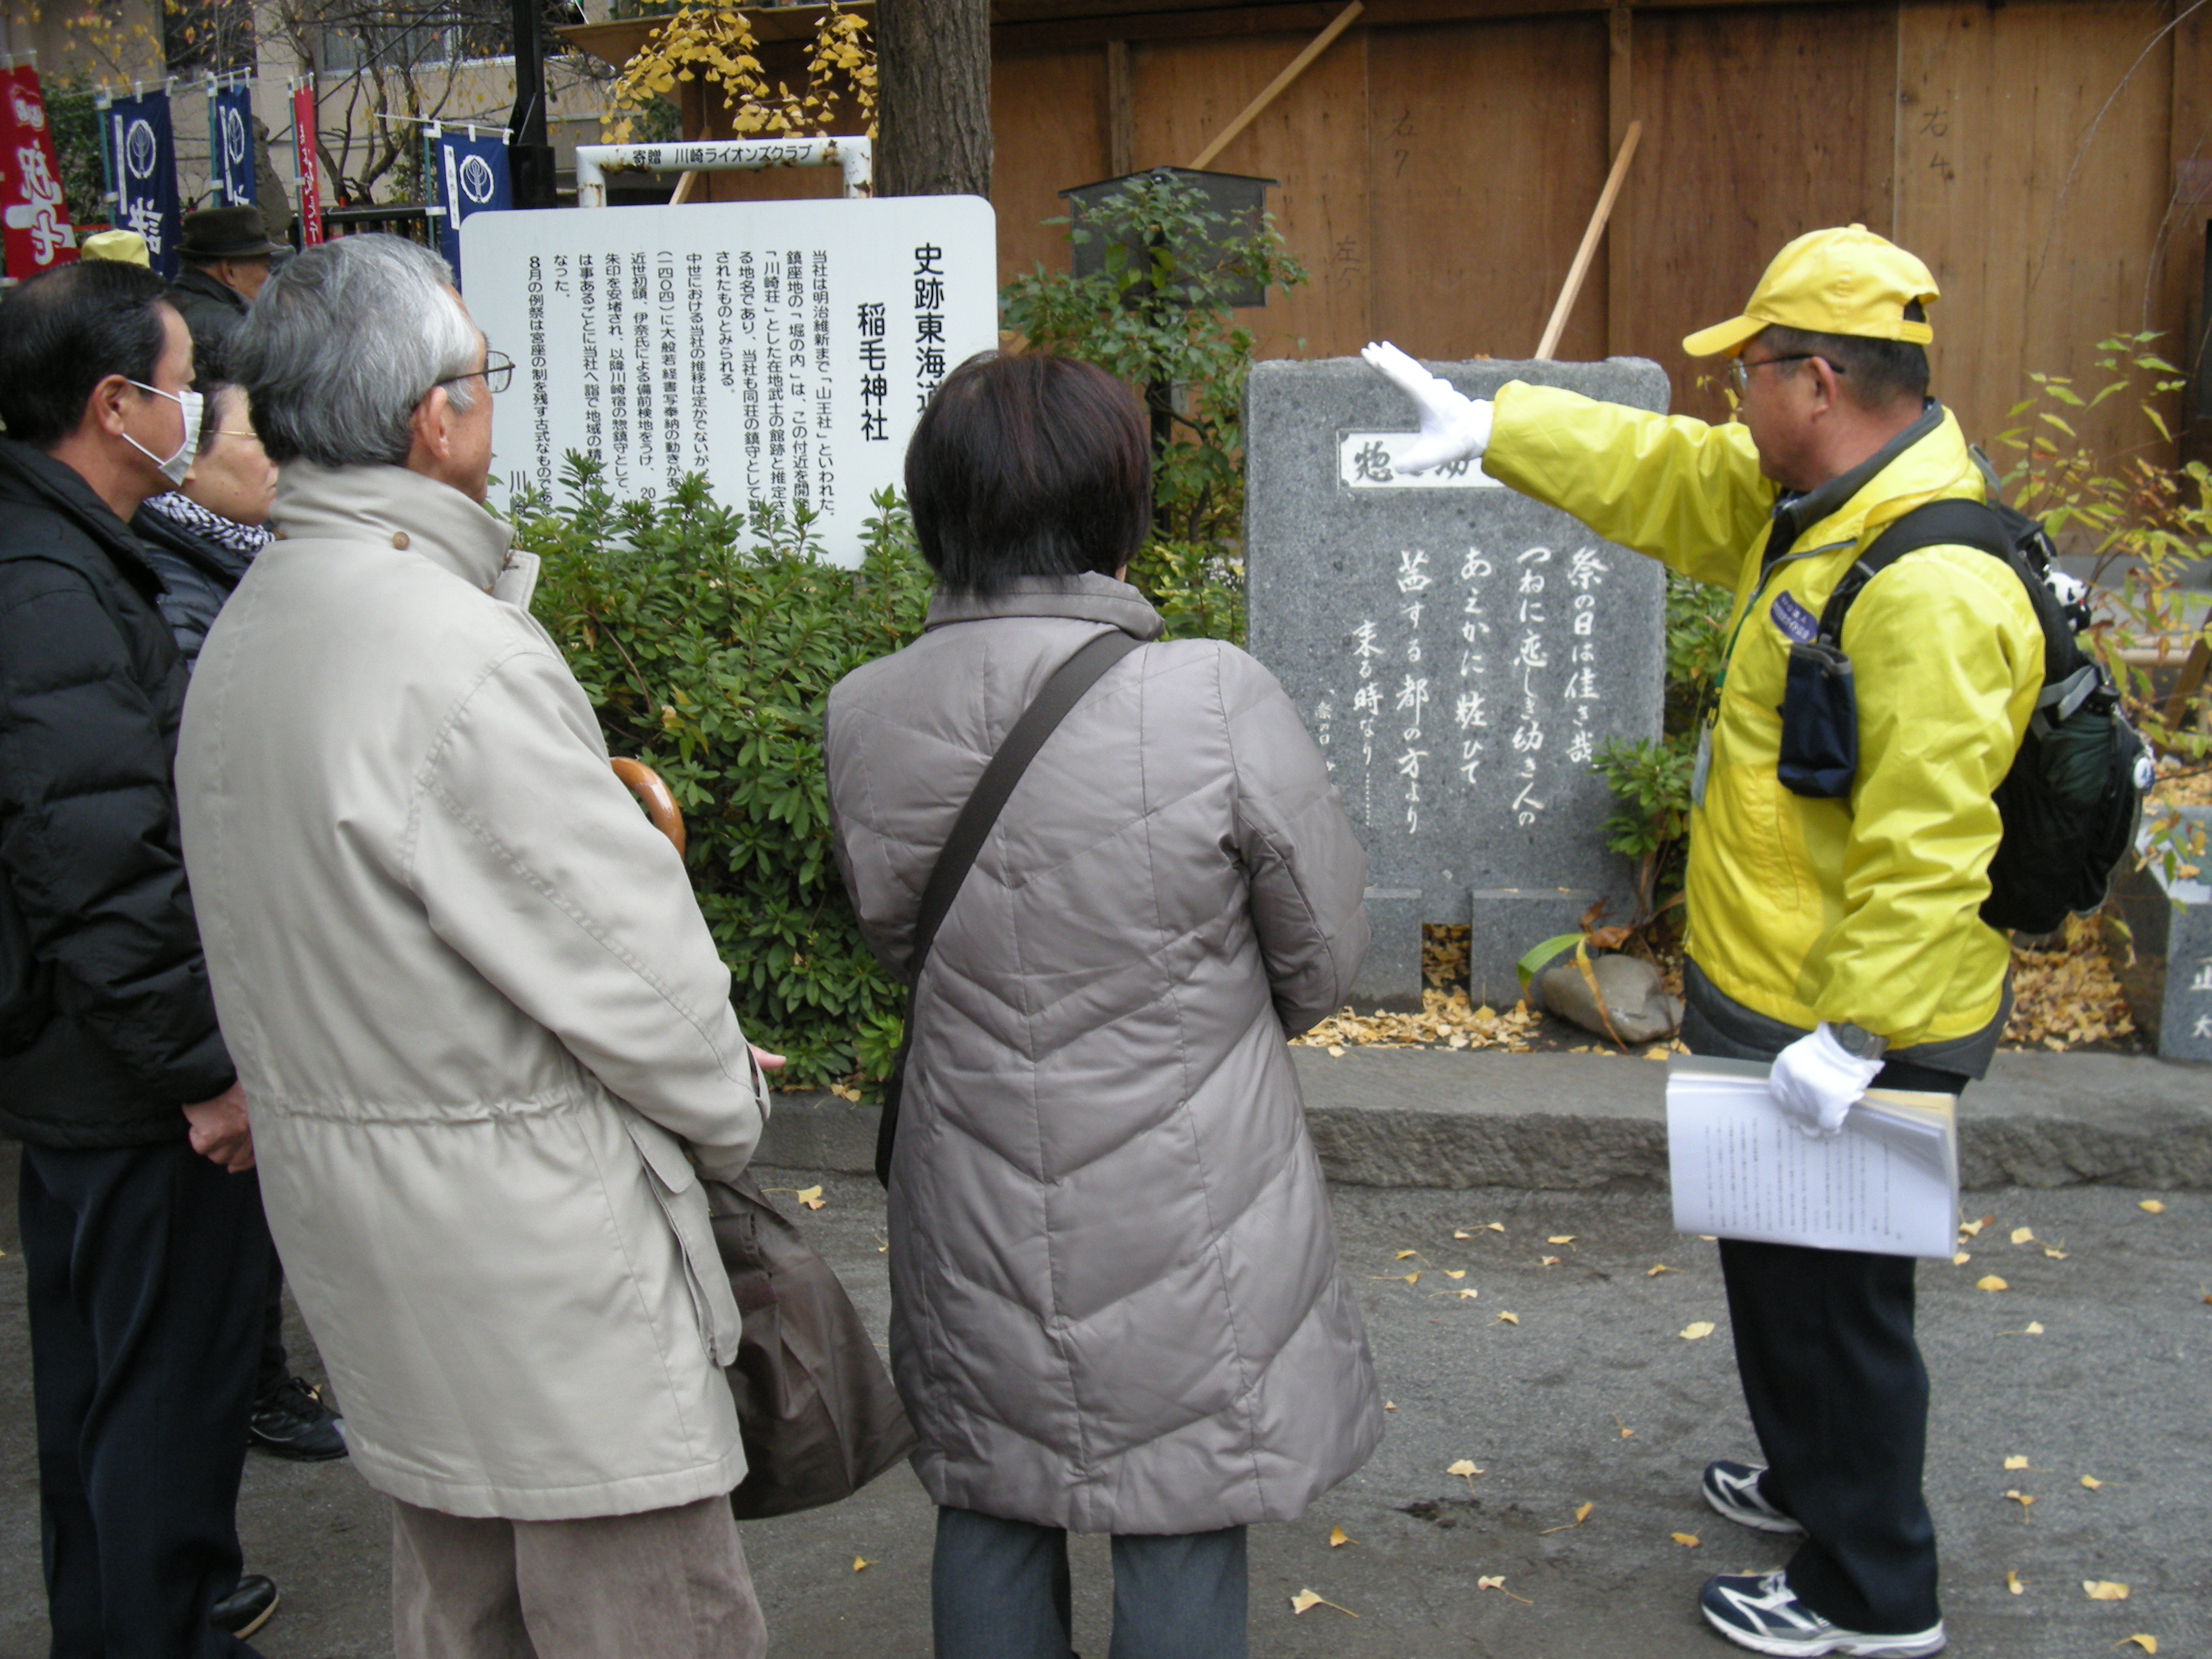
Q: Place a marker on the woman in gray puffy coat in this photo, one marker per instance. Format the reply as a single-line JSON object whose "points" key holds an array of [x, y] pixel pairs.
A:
{"points": [[1116, 1303]]}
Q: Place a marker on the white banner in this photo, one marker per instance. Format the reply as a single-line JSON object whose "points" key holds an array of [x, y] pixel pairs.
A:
{"points": [[783, 349]]}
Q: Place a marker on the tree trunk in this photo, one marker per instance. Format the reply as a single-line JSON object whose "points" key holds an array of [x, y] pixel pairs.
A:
{"points": [[933, 120]]}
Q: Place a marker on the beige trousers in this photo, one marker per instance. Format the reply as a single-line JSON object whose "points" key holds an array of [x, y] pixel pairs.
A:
{"points": [[666, 1585]]}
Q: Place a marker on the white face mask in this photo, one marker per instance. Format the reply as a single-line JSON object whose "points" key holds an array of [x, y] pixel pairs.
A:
{"points": [[177, 465]]}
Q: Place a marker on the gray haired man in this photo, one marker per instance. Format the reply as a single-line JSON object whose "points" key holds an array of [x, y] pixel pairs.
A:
{"points": [[487, 1039]]}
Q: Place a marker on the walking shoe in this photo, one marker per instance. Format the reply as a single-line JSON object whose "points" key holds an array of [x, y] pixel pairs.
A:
{"points": [[1760, 1611], [247, 1608], [1733, 1489], [291, 1421]]}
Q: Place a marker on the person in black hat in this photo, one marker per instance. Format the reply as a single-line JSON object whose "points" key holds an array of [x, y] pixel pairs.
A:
{"points": [[226, 252]]}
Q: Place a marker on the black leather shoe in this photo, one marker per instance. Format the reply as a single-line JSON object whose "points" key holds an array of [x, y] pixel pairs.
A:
{"points": [[291, 1421], [247, 1608]]}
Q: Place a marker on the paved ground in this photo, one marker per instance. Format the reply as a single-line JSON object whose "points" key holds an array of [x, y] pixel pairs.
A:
{"points": [[2115, 1386]]}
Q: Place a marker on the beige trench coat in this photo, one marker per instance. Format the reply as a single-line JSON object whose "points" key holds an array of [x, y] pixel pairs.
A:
{"points": [[1116, 1303], [477, 1014]]}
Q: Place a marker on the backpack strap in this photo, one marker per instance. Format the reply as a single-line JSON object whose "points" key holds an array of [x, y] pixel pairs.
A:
{"points": [[1937, 524], [973, 828]]}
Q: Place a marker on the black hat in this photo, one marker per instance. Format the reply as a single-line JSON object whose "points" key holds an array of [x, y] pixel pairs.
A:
{"points": [[225, 232]]}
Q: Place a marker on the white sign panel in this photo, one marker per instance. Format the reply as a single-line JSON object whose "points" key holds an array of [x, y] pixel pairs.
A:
{"points": [[1369, 461], [783, 349]]}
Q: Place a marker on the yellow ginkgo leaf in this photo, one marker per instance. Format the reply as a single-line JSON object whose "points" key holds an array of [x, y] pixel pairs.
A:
{"points": [[1971, 1228], [1467, 1296], [1548, 1261], [1496, 1582], [2103, 1589], [1335, 1052], [1337, 1539], [2151, 1207], [1305, 1602], [2015, 1462], [2023, 1236], [2147, 1643], [1507, 1319], [810, 1197], [2056, 1255], [1703, 1327], [2023, 1499], [1662, 1268], [1688, 1540], [2012, 1583], [1407, 1255], [2034, 1328], [1454, 1273], [1494, 1226], [1465, 1467], [860, 1564], [1563, 1238], [1582, 1514], [1991, 1283], [1461, 1233], [1390, 1405], [1960, 1260], [2091, 1482]]}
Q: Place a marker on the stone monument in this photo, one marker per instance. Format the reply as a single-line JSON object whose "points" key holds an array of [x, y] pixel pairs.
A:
{"points": [[1459, 652], [2166, 955]]}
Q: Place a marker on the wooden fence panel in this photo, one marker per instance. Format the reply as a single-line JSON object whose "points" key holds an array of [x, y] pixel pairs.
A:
{"points": [[1759, 125], [1486, 152], [2034, 170], [1048, 126]]}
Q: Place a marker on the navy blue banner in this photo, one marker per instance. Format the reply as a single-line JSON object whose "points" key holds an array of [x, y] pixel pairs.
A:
{"points": [[230, 144], [472, 178], [143, 146]]}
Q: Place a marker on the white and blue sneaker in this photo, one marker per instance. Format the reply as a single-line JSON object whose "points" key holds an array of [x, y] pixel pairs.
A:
{"points": [[1733, 1490], [1760, 1611]]}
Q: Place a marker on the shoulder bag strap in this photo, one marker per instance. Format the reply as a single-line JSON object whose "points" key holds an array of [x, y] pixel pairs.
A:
{"points": [[973, 828], [1937, 524]]}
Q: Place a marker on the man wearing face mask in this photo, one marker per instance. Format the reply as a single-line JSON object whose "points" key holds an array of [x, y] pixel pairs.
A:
{"points": [[142, 1242]]}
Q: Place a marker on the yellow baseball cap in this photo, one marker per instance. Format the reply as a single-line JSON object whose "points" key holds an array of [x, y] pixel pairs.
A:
{"points": [[125, 247], [1832, 281]]}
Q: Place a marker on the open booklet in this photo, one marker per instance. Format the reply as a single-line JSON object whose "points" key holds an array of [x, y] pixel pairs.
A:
{"points": [[1741, 1169]]}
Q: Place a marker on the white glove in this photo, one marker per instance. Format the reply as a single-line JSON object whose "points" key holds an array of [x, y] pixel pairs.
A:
{"points": [[1454, 426], [1816, 1080]]}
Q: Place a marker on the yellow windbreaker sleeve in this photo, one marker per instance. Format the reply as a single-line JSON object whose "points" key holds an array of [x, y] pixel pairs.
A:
{"points": [[1947, 658], [1678, 491]]}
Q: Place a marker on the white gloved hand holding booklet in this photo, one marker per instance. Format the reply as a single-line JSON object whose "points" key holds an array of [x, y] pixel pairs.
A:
{"points": [[1454, 426], [1817, 1081]]}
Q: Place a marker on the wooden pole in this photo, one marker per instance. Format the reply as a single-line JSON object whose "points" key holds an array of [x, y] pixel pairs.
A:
{"points": [[1298, 65], [686, 183], [1580, 269]]}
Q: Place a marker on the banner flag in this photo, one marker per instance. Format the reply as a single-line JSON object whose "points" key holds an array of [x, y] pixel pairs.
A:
{"points": [[144, 147], [230, 143], [38, 234], [309, 167], [472, 178]]}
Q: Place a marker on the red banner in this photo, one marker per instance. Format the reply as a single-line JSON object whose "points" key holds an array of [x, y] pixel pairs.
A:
{"points": [[35, 217], [304, 115]]}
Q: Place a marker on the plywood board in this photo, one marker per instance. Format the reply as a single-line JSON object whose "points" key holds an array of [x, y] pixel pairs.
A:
{"points": [[1486, 152], [2034, 170], [1049, 131], [1313, 138], [1759, 125]]}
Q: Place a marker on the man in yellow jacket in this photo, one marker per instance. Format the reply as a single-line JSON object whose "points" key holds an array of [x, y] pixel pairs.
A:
{"points": [[1839, 937]]}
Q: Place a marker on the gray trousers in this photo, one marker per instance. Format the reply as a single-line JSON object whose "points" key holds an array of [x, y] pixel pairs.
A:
{"points": [[666, 1585], [998, 1590]]}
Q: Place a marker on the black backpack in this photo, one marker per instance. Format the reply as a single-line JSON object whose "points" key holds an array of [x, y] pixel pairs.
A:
{"points": [[2073, 799]]}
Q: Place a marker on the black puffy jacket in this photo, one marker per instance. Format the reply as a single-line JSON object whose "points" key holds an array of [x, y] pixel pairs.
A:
{"points": [[198, 574], [107, 1024]]}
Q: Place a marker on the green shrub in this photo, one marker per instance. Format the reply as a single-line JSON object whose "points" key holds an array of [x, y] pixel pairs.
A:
{"points": [[708, 639]]}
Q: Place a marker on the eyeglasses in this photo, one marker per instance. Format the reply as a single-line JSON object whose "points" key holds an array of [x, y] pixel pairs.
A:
{"points": [[1738, 372], [498, 374]]}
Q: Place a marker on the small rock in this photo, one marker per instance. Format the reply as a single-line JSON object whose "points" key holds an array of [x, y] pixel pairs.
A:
{"points": [[1641, 1009]]}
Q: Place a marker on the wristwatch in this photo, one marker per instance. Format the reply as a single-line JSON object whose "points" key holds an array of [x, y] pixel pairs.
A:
{"points": [[1858, 1041]]}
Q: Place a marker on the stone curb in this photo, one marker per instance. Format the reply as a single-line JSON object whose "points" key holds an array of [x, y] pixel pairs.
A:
{"points": [[1414, 1117]]}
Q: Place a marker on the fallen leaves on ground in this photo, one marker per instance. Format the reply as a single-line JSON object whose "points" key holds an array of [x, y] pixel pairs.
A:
{"points": [[1972, 1228], [1582, 1514], [1626, 1433], [2147, 1643], [2151, 1207], [1960, 1260], [1443, 1015], [1338, 1539], [2091, 1482], [1990, 1283], [1306, 1600], [1497, 1582], [2023, 1499], [1688, 1540], [1466, 1470], [1454, 1273], [2056, 1255], [1407, 1255], [1702, 1329], [2034, 1328], [1662, 1268], [861, 1563], [1562, 1238], [810, 1196], [1507, 1319], [2067, 998], [2014, 1583], [1394, 1279], [2023, 1235], [2016, 1462], [2103, 1589], [1548, 1261]]}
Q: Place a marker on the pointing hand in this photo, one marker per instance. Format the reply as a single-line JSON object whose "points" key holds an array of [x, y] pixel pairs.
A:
{"points": [[1453, 427]]}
